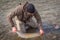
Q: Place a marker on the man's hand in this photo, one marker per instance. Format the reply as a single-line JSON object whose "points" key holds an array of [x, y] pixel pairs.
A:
{"points": [[14, 29], [41, 32]]}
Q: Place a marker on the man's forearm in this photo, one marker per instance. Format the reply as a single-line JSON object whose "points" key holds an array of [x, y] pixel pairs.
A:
{"points": [[11, 21], [40, 25]]}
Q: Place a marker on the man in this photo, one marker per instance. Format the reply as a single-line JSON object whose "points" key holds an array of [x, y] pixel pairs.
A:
{"points": [[24, 13]]}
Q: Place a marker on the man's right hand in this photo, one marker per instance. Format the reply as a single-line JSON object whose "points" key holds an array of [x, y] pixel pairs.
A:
{"points": [[14, 29]]}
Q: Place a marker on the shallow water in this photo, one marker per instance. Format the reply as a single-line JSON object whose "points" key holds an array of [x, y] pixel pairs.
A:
{"points": [[48, 9]]}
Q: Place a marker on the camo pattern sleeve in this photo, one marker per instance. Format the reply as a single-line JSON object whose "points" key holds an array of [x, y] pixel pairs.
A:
{"points": [[38, 18], [14, 13]]}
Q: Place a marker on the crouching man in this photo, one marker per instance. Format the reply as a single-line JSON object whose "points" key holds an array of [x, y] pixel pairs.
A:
{"points": [[24, 14]]}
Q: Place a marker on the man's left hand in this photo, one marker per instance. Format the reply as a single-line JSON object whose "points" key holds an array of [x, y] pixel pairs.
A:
{"points": [[41, 32]]}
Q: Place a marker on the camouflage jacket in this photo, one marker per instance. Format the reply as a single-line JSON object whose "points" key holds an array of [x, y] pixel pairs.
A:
{"points": [[18, 11]]}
